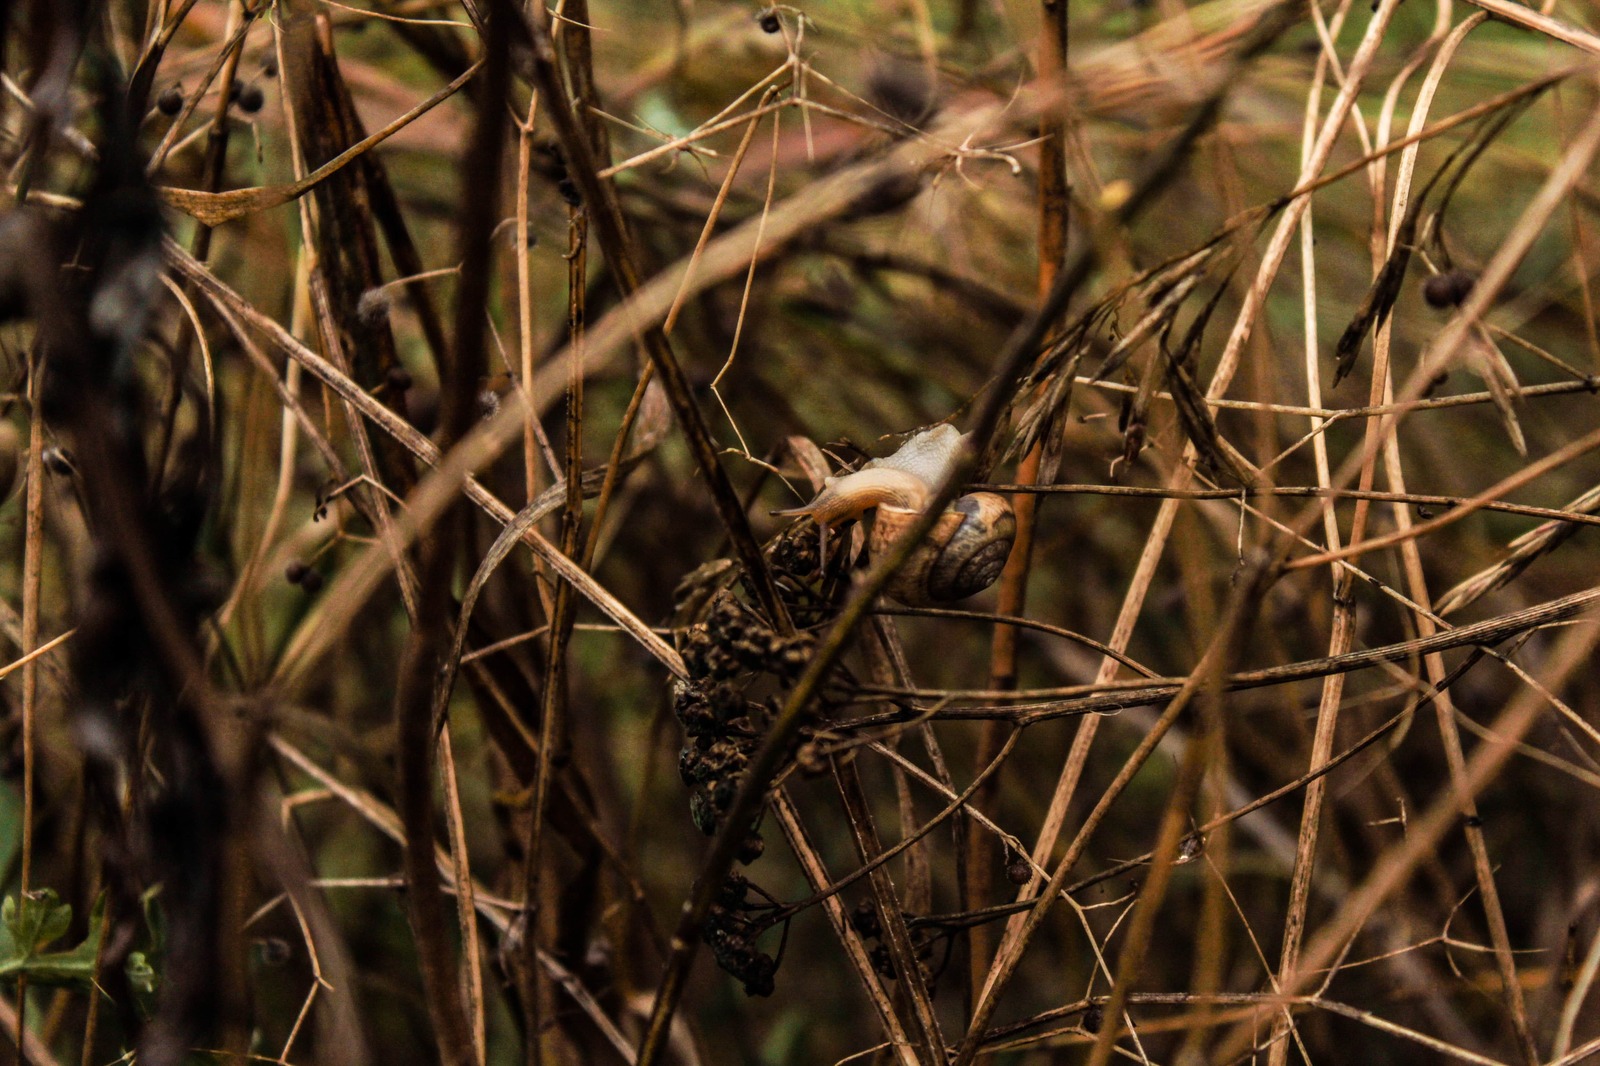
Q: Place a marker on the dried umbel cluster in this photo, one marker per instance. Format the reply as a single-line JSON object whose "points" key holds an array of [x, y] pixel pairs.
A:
{"points": [[728, 655], [738, 665], [732, 927]]}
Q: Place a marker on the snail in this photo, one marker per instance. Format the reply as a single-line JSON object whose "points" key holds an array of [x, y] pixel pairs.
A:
{"points": [[967, 548]]}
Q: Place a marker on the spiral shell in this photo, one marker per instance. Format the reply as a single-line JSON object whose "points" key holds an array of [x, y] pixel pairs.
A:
{"points": [[967, 548], [963, 554]]}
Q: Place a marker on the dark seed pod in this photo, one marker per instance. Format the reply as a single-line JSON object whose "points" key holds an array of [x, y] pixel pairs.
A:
{"points": [[311, 582], [274, 951], [768, 20], [170, 102], [251, 98], [295, 572], [1448, 289]]}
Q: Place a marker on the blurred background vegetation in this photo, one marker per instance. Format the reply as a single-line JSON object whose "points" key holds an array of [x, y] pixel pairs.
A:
{"points": [[314, 753]]}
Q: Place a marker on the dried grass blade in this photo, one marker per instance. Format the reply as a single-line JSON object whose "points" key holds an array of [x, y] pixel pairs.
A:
{"points": [[215, 208]]}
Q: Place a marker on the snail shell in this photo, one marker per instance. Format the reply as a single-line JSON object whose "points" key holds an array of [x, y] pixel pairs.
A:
{"points": [[963, 554], [968, 547]]}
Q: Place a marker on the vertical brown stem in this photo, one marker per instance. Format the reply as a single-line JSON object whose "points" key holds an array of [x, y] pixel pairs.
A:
{"points": [[425, 902], [32, 569], [1055, 197], [551, 733]]}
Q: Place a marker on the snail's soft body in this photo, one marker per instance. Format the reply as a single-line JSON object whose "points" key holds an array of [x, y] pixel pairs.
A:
{"points": [[966, 549]]}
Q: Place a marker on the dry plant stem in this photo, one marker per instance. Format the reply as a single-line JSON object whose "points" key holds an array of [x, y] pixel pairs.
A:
{"points": [[31, 1049], [431, 495], [239, 22], [716, 212], [959, 804], [1021, 623], [1447, 346], [1391, 869], [213, 209], [1444, 706], [38, 652], [439, 549], [1343, 620], [1255, 1005], [491, 909], [1531, 472], [1581, 988], [303, 39], [466, 917], [1522, 15], [1101, 699], [530, 445], [1203, 684], [606, 216], [816, 873], [1055, 198], [909, 978], [554, 696], [32, 573], [1274, 22], [1020, 347], [1574, 514]]}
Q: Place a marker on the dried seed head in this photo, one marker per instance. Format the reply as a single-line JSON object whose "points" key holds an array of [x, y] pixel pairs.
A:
{"points": [[373, 307], [58, 461]]}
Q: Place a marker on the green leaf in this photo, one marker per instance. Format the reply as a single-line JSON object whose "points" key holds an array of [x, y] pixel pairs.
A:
{"points": [[33, 922]]}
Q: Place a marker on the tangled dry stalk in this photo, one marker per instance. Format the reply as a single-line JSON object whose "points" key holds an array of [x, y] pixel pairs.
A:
{"points": [[397, 396]]}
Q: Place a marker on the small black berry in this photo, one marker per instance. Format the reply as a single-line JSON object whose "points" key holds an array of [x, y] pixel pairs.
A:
{"points": [[1448, 289], [311, 582], [251, 98], [769, 21], [170, 102], [295, 572]]}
